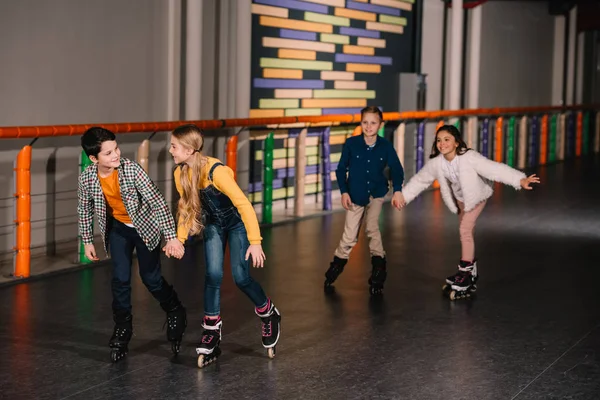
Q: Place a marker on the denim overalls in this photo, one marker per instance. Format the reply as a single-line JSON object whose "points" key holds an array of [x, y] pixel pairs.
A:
{"points": [[223, 224]]}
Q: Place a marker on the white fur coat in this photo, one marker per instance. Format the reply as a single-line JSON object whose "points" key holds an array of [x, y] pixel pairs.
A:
{"points": [[475, 173]]}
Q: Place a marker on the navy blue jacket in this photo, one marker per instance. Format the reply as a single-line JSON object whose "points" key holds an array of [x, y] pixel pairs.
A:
{"points": [[365, 167]]}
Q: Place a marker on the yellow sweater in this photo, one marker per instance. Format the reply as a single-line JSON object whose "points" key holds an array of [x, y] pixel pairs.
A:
{"points": [[224, 181]]}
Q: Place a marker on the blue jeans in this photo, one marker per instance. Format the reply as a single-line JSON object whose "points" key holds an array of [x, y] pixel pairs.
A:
{"points": [[215, 239], [122, 241]]}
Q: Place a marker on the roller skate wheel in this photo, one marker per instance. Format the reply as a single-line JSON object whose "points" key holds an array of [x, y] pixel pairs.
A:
{"points": [[175, 347], [117, 354], [201, 361], [376, 291], [271, 352], [445, 288], [453, 295]]}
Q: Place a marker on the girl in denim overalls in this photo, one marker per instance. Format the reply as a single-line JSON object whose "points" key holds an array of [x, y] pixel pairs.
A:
{"points": [[211, 202]]}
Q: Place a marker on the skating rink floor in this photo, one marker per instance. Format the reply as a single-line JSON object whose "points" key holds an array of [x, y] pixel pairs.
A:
{"points": [[533, 332]]}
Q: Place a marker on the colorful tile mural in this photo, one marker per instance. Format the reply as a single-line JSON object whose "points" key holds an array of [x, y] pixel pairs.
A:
{"points": [[323, 57]]}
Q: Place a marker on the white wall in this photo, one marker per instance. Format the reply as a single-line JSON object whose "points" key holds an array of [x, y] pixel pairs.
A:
{"points": [[79, 61], [516, 54], [68, 62]]}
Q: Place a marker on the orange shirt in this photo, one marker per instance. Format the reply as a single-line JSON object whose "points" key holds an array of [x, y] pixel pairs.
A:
{"points": [[112, 194]]}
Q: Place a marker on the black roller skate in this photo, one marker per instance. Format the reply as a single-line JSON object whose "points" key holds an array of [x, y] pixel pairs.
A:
{"points": [[463, 284], [176, 322], [378, 275], [208, 350], [335, 269], [271, 328], [121, 336]]}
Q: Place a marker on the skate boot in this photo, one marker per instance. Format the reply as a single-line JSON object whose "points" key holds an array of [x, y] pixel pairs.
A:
{"points": [[271, 327], [176, 322], [121, 336], [463, 283], [378, 275], [335, 269], [208, 350]]}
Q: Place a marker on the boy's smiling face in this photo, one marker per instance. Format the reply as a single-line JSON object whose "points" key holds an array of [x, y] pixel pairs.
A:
{"points": [[109, 155], [370, 124]]}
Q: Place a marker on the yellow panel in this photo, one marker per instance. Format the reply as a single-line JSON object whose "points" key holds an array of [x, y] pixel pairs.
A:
{"points": [[368, 68], [362, 15], [277, 103], [312, 160], [293, 94], [295, 24], [298, 54], [380, 43], [268, 10], [266, 113], [326, 19], [337, 75], [393, 3], [282, 73], [298, 44], [335, 157], [334, 103], [365, 51], [295, 112], [378, 26], [350, 85], [335, 38], [342, 130], [388, 19], [302, 64]]}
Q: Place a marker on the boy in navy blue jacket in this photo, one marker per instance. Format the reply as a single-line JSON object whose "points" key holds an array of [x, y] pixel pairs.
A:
{"points": [[362, 181]]}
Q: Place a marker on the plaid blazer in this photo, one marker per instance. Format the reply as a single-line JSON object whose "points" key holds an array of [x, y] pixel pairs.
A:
{"points": [[143, 201]]}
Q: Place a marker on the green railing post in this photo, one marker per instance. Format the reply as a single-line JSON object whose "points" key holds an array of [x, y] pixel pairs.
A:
{"points": [[267, 201], [84, 162], [510, 142], [586, 133], [381, 131], [552, 139], [457, 124]]}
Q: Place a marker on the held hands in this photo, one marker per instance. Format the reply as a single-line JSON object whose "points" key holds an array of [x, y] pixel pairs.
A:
{"points": [[525, 182], [90, 252], [258, 256], [398, 201], [346, 201], [174, 248]]}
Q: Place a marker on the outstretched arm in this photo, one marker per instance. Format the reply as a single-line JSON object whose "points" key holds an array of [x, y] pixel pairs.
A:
{"points": [[418, 183], [495, 171]]}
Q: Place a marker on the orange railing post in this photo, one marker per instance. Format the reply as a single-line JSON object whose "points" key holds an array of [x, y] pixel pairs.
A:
{"points": [[544, 141], [23, 207], [579, 134], [439, 125], [357, 131], [231, 151], [499, 139]]}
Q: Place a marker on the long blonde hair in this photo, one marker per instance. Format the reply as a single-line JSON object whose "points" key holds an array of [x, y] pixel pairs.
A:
{"points": [[189, 208]]}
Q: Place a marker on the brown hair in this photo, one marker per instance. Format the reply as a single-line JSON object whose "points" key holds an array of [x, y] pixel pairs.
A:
{"points": [[371, 110], [451, 129]]}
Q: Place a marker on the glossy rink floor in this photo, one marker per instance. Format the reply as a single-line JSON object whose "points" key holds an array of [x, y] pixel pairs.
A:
{"points": [[533, 332]]}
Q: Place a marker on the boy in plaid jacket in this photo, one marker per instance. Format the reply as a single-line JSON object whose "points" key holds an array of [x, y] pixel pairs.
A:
{"points": [[132, 214]]}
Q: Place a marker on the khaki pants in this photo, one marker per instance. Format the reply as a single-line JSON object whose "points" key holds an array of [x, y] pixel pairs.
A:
{"points": [[354, 218]]}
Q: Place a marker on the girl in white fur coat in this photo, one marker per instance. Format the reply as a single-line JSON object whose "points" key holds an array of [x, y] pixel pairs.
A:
{"points": [[465, 179]]}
